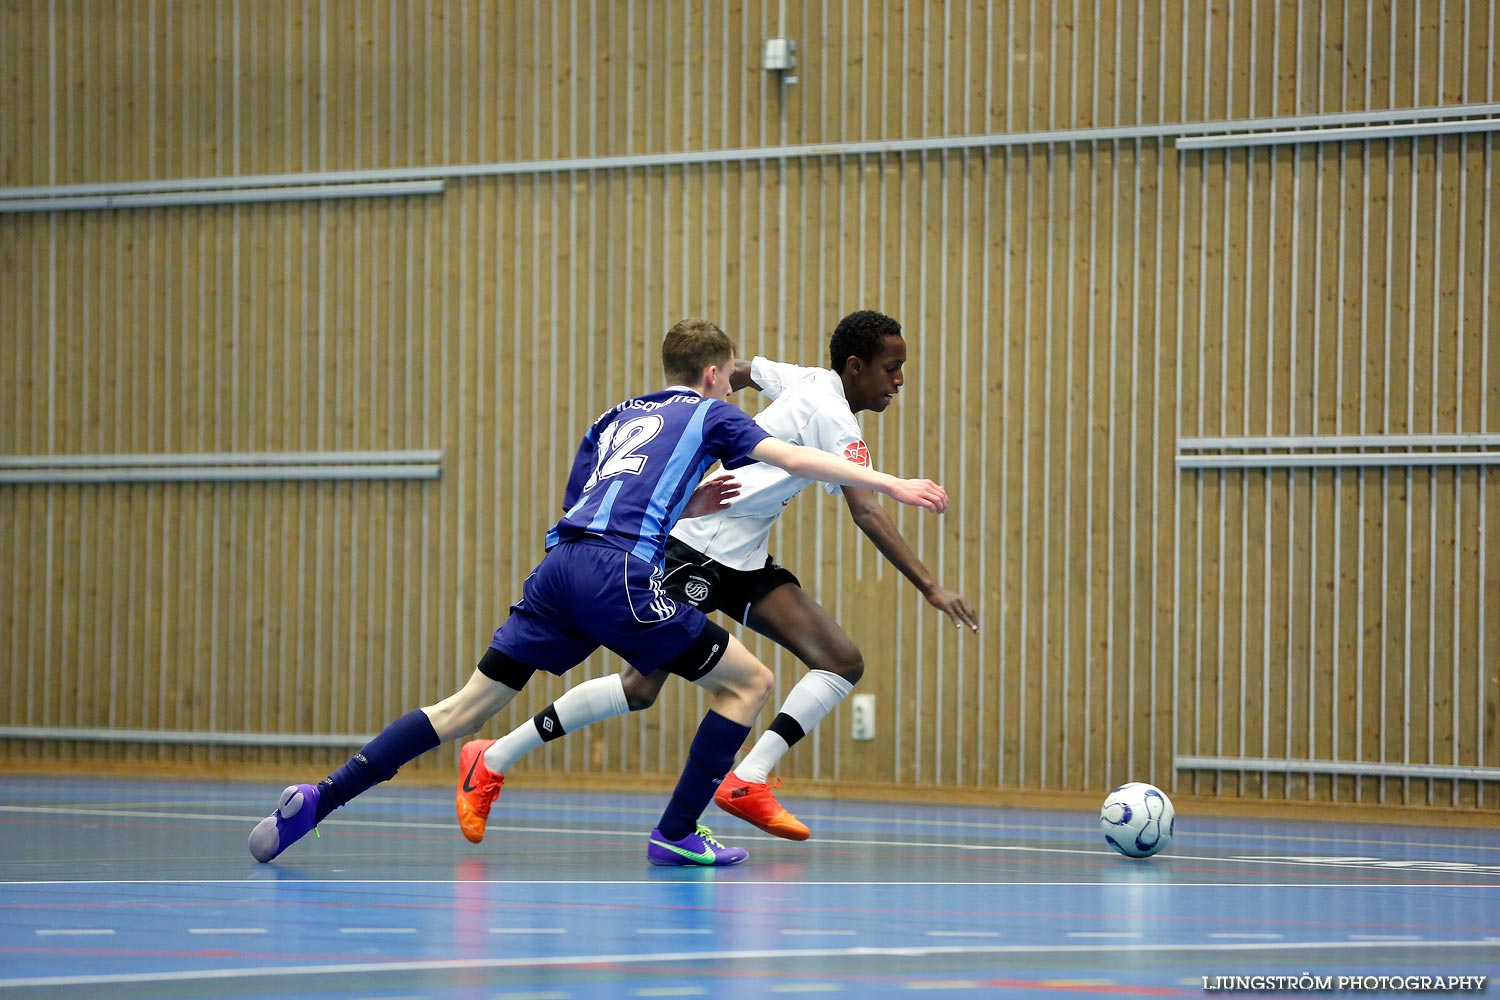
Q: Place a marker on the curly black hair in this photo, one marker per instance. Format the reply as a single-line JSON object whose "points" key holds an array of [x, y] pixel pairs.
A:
{"points": [[860, 335]]}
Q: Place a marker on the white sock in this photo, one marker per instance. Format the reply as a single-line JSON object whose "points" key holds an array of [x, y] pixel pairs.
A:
{"points": [[810, 699], [579, 706]]}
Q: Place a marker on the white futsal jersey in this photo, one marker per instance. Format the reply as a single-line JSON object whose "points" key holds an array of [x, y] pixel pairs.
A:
{"points": [[809, 408]]}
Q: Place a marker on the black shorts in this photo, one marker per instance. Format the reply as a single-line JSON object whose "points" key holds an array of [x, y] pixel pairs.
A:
{"points": [[695, 579]]}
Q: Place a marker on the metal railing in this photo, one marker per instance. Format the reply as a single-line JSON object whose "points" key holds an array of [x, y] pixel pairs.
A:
{"points": [[207, 467]]}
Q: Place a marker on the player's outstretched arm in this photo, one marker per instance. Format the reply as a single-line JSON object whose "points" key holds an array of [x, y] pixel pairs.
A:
{"points": [[810, 463], [864, 507]]}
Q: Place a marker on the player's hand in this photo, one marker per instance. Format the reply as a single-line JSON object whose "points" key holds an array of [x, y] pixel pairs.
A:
{"points": [[921, 493], [952, 604], [712, 495]]}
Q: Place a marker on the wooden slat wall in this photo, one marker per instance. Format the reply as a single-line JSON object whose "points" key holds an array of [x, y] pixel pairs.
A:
{"points": [[1072, 309]]}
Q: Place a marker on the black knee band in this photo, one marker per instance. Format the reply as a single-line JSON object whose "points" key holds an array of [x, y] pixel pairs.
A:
{"points": [[548, 725], [787, 728], [505, 669], [703, 655]]}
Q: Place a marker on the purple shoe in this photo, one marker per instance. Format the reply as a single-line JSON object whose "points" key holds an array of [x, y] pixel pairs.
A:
{"points": [[698, 848], [296, 814]]}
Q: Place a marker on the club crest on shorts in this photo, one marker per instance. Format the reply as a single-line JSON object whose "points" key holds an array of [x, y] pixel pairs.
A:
{"points": [[695, 589]]}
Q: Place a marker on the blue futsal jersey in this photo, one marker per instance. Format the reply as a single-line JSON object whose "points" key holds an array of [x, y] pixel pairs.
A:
{"points": [[640, 462]]}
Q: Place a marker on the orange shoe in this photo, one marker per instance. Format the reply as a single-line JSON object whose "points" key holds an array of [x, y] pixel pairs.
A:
{"points": [[754, 803], [478, 788]]}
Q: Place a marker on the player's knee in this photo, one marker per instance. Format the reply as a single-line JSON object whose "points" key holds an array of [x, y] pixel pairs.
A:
{"points": [[450, 720], [639, 703], [465, 712], [852, 669], [760, 683], [843, 659], [640, 692]]}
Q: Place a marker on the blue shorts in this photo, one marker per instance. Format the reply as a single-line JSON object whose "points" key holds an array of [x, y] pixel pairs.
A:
{"points": [[588, 593]]}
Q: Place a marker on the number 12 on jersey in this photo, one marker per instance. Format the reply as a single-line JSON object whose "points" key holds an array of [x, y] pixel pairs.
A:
{"points": [[619, 448]]}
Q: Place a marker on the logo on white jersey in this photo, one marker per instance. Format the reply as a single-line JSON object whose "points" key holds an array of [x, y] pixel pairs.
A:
{"points": [[857, 453]]}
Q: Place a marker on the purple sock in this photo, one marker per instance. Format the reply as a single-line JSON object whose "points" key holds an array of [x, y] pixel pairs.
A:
{"points": [[709, 758], [409, 736]]}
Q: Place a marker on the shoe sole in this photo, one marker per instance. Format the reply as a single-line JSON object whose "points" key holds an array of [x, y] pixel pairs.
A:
{"points": [[473, 838], [265, 839], [684, 863]]}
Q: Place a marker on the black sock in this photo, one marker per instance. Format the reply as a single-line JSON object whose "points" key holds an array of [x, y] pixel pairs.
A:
{"points": [[709, 758], [408, 737]]}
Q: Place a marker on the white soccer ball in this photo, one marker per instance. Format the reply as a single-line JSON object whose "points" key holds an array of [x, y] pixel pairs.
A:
{"points": [[1137, 819]]}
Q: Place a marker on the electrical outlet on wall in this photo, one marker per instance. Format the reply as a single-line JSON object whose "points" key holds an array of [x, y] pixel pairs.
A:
{"points": [[863, 724]]}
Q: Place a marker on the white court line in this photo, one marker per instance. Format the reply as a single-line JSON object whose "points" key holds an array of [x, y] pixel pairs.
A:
{"points": [[226, 930], [75, 931], [1104, 934], [669, 991], [776, 954], [955, 934], [807, 932], [332, 824], [1384, 937], [273, 881], [942, 984], [1375, 864], [325, 825], [1244, 937], [1101, 852]]}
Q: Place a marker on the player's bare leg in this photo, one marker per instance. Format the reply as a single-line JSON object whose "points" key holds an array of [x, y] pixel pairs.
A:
{"points": [[464, 713], [792, 619]]}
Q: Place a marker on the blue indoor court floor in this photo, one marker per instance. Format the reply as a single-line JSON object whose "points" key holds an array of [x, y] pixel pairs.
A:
{"points": [[143, 888]]}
